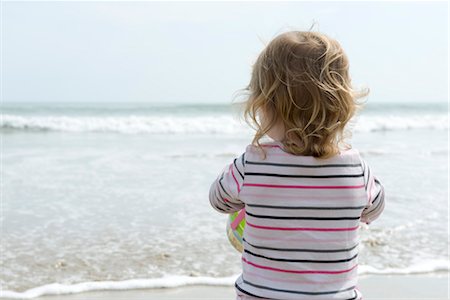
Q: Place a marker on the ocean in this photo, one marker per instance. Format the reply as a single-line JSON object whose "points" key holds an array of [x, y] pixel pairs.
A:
{"points": [[117, 194]]}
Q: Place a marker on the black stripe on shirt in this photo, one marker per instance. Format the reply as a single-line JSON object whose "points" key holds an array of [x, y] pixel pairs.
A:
{"points": [[305, 207], [354, 297], [372, 208], [235, 165], [377, 196], [297, 292], [301, 218], [364, 172], [216, 205], [304, 176], [223, 189], [223, 206], [303, 260], [301, 250], [301, 166], [221, 202], [245, 292], [368, 178]]}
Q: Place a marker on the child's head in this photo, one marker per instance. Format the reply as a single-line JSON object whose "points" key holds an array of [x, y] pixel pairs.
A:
{"points": [[300, 86]]}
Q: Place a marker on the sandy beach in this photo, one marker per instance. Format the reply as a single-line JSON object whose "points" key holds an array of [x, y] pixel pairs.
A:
{"points": [[433, 286]]}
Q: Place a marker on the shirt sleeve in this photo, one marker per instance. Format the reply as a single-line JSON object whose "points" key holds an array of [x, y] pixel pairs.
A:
{"points": [[375, 196], [224, 191]]}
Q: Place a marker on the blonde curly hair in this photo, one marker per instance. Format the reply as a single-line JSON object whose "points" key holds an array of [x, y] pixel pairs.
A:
{"points": [[301, 80]]}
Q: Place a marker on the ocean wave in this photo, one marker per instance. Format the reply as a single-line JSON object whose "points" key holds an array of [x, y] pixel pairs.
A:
{"points": [[403, 122], [220, 124], [123, 124], [424, 267], [171, 281]]}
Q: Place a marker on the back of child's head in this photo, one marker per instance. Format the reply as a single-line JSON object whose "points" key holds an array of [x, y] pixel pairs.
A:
{"points": [[301, 81]]}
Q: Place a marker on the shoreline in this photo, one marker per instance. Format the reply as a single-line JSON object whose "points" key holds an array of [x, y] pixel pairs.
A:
{"points": [[422, 286]]}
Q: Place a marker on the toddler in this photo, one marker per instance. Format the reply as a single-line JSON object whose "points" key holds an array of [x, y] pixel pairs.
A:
{"points": [[304, 194]]}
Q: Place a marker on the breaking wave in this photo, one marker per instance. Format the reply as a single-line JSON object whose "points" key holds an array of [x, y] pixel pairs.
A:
{"points": [[221, 124]]}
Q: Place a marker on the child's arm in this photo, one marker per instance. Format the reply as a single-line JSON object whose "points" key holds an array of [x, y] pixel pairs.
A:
{"points": [[375, 195], [224, 191]]}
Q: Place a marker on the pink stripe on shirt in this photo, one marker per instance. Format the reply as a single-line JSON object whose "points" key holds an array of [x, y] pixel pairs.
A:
{"points": [[298, 271], [235, 180], [301, 228]]}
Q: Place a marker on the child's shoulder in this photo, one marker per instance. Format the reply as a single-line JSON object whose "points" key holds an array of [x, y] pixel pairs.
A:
{"points": [[265, 145]]}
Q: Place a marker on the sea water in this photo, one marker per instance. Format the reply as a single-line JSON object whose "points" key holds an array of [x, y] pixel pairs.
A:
{"points": [[116, 195]]}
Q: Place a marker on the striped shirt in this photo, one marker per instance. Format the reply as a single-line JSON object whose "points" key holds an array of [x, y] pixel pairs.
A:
{"points": [[302, 216]]}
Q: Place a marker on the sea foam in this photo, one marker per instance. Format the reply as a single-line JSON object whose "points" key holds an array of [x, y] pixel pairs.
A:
{"points": [[163, 282]]}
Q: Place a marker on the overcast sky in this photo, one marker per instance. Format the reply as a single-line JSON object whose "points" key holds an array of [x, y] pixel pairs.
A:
{"points": [[203, 51]]}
